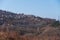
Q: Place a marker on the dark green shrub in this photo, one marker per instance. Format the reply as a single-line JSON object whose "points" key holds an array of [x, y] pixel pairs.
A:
{"points": [[56, 23]]}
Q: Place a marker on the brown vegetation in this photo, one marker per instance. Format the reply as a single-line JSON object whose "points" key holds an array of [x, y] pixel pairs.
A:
{"points": [[27, 27]]}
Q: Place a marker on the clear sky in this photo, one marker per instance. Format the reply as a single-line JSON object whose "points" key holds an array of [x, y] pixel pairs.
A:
{"points": [[42, 8]]}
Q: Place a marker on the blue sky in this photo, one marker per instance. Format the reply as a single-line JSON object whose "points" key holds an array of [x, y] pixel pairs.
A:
{"points": [[42, 8]]}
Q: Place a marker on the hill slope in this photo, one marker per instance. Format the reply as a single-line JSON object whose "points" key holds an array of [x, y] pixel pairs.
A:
{"points": [[15, 26]]}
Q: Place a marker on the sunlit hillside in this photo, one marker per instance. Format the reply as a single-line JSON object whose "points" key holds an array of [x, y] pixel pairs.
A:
{"points": [[15, 26]]}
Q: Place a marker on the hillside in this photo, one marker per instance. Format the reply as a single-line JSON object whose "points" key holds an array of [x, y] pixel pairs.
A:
{"points": [[14, 26]]}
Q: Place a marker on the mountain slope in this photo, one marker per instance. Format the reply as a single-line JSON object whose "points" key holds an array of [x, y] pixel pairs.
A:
{"points": [[15, 26]]}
